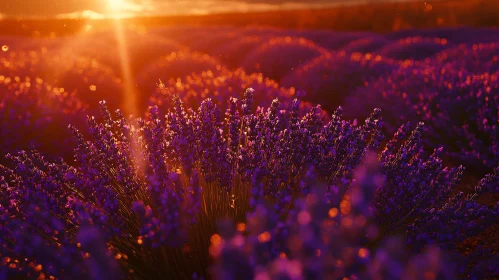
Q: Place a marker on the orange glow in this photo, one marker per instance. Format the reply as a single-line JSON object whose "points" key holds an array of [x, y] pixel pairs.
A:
{"points": [[264, 237], [363, 252], [333, 212], [345, 207], [5, 48], [116, 7], [241, 227], [215, 239]]}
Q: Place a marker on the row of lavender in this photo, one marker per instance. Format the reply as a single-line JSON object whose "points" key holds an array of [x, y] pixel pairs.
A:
{"points": [[84, 68], [266, 193]]}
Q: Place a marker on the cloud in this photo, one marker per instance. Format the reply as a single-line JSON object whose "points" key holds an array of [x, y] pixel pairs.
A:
{"points": [[85, 14], [190, 7], [99, 8]]}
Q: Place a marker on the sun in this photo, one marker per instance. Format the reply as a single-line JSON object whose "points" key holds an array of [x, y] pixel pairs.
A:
{"points": [[116, 6]]}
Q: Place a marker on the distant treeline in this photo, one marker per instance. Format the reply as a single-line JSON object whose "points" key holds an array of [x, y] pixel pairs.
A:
{"points": [[375, 17]]}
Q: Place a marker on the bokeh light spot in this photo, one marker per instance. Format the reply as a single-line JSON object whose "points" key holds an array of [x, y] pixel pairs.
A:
{"points": [[264, 237]]}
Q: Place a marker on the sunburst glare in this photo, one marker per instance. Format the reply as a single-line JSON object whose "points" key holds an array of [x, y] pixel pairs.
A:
{"points": [[118, 8]]}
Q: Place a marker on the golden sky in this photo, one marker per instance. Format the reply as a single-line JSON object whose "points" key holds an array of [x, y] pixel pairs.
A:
{"points": [[105, 8]]}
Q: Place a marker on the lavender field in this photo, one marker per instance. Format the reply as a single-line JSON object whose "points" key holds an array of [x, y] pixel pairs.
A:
{"points": [[190, 152]]}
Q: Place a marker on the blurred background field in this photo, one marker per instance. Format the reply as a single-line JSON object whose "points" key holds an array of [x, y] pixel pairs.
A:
{"points": [[433, 61], [331, 56]]}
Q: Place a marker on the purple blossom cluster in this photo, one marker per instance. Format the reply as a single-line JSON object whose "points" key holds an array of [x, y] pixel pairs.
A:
{"points": [[154, 189]]}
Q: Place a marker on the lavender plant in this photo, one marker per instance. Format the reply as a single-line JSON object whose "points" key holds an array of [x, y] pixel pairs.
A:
{"points": [[175, 65], [192, 36], [220, 87], [477, 58], [85, 76], [456, 35], [366, 45], [214, 41], [324, 236], [141, 48], [156, 188], [418, 48], [281, 55], [328, 79], [90, 78], [232, 53], [332, 40], [35, 114], [459, 107]]}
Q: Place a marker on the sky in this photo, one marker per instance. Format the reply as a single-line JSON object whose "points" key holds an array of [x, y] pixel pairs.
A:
{"points": [[106, 8]]}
